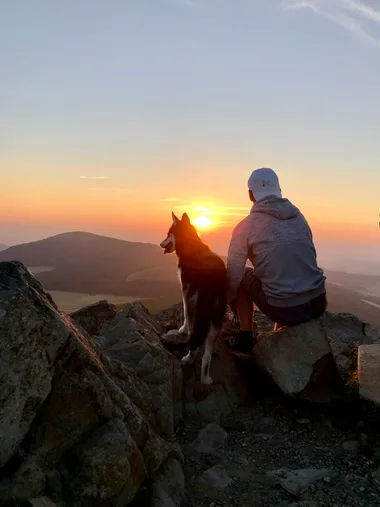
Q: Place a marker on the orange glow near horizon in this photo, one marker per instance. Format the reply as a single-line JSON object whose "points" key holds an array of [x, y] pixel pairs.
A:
{"points": [[85, 207]]}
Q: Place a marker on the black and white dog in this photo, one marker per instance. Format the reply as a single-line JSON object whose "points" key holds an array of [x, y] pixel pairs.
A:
{"points": [[204, 290]]}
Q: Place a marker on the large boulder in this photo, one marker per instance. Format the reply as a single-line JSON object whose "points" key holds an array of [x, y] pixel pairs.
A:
{"points": [[346, 333], [91, 318], [76, 427], [133, 338], [299, 360], [33, 334], [369, 372]]}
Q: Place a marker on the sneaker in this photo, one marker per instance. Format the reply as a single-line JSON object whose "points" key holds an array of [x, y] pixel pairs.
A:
{"points": [[243, 342]]}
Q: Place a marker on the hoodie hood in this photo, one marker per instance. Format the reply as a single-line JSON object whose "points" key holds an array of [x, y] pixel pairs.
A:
{"points": [[279, 208]]}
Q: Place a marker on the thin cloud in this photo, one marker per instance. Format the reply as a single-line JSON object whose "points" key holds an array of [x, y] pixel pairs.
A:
{"points": [[358, 16], [115, 190], [94, 177], [171, 199]]}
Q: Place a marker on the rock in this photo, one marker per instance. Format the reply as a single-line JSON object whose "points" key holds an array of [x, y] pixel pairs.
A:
{"points": [[215, 478], [170, 485], [234, 463], [174, 338], [302, 503], [229, 388], [351, 446], [230, 385], [297, 482], [172, 317], [346, 332], [157, 451], [210, 440], [369, 372], [74, 423], [376, 478], [159, 498], [172, 480], [28, 481], [210, 403], [233, 422], [42, 502], [167, 490], [91, 318], [299, 360], [108, 467], [30, 343], [133, 338]]}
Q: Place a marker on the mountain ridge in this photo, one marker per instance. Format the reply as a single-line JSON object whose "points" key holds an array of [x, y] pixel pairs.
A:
{"points": [[82, 262]]}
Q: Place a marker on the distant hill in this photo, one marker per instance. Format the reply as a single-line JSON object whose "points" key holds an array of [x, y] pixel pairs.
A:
{"points": [[84, 262], [367, 308], [3, 247], [80, 262]]}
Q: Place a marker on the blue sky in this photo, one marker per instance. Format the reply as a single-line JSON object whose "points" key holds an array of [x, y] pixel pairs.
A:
{"points": [[184, 98]]}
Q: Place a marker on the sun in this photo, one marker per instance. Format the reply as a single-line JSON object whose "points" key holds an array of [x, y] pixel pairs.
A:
{"points": [[202, 222]]}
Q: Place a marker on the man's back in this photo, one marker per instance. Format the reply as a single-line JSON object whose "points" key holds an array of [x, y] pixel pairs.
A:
{"points": [[278, 241]]}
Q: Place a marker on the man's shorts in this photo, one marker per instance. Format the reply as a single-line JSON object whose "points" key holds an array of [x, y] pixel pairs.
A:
{"points": [[290, 316]]}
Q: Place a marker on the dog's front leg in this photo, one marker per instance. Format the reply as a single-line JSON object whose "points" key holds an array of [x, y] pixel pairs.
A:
{"points": [[184, 329], [190, 357]]}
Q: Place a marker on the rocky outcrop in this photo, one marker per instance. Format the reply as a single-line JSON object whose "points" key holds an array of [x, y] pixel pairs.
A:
{"points": [[309, 360], [133, 339], [230, 385], [77, 427], [369, 372], [299, 360], [346, 333], [89, 405], [91, 318]]}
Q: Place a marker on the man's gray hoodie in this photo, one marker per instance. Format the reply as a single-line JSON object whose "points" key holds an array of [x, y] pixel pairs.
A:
{"points": [[278, 241]]}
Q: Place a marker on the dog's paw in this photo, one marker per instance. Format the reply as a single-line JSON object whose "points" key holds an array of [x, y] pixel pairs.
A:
{"points": [[188, 359], [183, 330], [206, 380], [172, 332]]}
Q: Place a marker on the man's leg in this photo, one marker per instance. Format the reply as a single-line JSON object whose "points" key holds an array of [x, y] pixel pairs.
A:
{"points": [[244, 307], [245, 338]]}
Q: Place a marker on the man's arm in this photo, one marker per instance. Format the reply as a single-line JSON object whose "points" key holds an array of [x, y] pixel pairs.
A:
{"points": [[237, 259]]}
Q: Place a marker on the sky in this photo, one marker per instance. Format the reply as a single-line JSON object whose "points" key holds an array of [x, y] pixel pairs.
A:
{"points": [[114, 113]]}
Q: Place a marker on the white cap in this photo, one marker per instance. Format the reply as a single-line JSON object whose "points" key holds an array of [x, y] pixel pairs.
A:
{"points": [[264, 182]]}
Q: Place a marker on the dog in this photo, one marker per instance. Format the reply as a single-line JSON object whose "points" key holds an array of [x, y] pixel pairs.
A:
{"points": [[203, 279]]}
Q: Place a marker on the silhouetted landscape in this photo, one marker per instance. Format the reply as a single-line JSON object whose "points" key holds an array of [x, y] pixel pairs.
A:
{"points": [[80, 268], [3, 247]]}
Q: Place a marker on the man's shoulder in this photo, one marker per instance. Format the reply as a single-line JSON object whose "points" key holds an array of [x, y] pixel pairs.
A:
{"points": [[241, 226]]}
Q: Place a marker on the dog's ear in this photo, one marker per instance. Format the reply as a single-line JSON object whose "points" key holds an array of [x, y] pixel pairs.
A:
{"points": [[185, 219], [175, 219]]}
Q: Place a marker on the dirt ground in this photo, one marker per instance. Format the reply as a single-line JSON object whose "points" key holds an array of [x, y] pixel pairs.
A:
{"points": [[339, 444]]}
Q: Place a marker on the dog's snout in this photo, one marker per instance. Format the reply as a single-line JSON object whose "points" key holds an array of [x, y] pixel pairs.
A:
{"points": [[168, 244], [165, 243]]}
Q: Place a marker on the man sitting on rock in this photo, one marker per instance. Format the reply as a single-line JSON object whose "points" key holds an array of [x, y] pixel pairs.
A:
{"points": [[286, 283]]}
